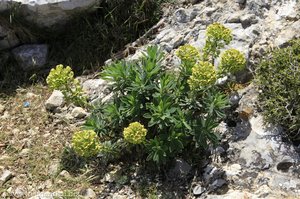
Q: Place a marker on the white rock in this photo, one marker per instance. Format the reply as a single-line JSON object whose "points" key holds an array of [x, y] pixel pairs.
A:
{"points": [[6, 175], [55, 100], [78, 113]]}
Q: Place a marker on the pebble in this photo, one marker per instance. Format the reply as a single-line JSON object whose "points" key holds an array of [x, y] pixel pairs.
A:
{"points": [[6, 175]]}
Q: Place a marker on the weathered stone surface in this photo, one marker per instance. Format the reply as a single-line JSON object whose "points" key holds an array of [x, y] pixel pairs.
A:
{"points": [[55, 100], [88, 193], [180, 169], [47, 13], [8, 37], [78, 113], [198, 190], [31, 56], [6, 175]]}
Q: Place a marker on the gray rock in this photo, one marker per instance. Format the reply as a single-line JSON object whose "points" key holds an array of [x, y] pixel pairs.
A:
{"points": [[6, 175], [48, 13], [180, 169], [19, 192], [248, 20], [8, 37], [32, 56], [97, 90], [55, 100], [240, 1], [46, 195], [88, 193], [181, 16], [287, 34], [198, 190], [78, 113], [218, 183], [65, 174]]}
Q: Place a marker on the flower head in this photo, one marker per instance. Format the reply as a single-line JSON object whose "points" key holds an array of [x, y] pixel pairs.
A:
{"points": [[135, 133], [232, 61], [188, 54], [86, 143], [203, 75]]}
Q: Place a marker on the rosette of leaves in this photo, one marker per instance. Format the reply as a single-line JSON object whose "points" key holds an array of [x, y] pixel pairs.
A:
{"points": [[86, 143], [62, 78], [217, 36], [232, 61], [135, 133], [203, 75]]}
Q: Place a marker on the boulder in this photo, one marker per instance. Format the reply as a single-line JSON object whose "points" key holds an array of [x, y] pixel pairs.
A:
{"points": [[48, 13], [55, 100], [32, 56]]}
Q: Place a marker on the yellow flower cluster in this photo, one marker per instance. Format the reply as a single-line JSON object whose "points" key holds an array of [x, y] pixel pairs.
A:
{"points": [[188, 54], [62, 78], [59, 77], [203, 74], [135, 133], [232, 61], [218, 32], [86, 143]]}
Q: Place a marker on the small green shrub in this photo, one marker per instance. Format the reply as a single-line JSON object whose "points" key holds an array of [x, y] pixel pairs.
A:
{"points": [[62, 78], [278, 78], [232, 61], [86, 143], [175, 119], [179, 112]]}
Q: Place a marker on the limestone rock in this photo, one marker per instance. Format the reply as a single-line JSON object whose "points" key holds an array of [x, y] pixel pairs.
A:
{"points": [[78, 113], [32, 56], [88, 193], [6, 175], [48, 13], [55, 100]]}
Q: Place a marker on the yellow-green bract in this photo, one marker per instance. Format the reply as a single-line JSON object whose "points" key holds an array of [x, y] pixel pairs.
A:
{"points": [[62, 78], [203, 75], [232, 61], [217, 35], [135, 133], [86, 143], [188, 54]]}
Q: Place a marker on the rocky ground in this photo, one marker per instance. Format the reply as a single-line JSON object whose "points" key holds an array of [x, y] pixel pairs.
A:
{"points": [[252, 161]]}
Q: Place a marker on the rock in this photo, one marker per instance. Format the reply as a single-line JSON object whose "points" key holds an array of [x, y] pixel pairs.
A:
{"points": [[248, 19], [19, 192], [49, 13], [232, 170], [198, 190], [97, 90], [55, 100], [78, 113], [240, 1], [88, 193], [180, 169], [8, 37], [53, 168], [287, 34], [288, 10], [218, 183], [33, 56], [6, 175], [2, 109], [181, 16], [24, 152], [46, 195], [65, 174]]}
